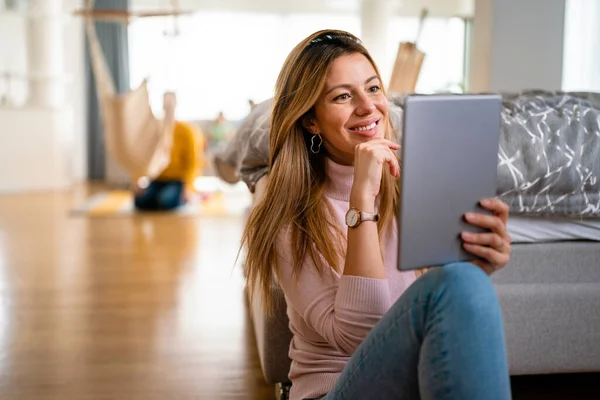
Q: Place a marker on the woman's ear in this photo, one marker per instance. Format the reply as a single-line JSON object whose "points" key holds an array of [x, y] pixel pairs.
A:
{"points": [[310, 125]]}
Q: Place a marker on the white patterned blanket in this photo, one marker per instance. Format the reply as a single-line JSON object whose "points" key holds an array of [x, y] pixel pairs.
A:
{"points": [[549, 157]]}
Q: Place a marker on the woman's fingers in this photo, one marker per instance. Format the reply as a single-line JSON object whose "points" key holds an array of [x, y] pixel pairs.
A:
{"points": [[381, 142], [389, 143], [498, 207], [390, 158], [491, 222], [494, 257], [392, 161], [375, 145], [492, 247], [369, 160], [382, 150], [488, 239]]}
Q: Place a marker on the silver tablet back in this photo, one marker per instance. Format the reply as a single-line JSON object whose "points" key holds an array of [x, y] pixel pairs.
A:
{"points": [[449, 163]]}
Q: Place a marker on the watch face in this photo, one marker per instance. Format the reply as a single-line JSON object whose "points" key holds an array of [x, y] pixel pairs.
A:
{"points": [[352, 217]]}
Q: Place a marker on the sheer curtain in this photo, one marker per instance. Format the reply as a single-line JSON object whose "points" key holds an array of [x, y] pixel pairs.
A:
{"points": [[223, 59], [581, 57]]}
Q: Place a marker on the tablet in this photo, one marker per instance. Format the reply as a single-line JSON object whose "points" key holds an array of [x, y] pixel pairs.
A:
{"points": [[449, 163]]}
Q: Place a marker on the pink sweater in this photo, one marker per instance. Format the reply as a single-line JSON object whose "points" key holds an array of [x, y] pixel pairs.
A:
{"points": [[330, 317]]}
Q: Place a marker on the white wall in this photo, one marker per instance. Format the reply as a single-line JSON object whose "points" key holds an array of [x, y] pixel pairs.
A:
{"points": [[517, 45], [34, 156], [13, 55], [15, 126]]}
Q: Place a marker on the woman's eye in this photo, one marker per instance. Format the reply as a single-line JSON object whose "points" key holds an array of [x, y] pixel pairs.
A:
{"points": [[343, 96], [374, 89]]}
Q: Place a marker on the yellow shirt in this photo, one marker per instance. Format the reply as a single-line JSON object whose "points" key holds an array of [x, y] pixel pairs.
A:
{"points": [[183, 155]]}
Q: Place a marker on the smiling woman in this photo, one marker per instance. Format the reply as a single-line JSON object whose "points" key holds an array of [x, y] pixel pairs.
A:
{"points": [[323, 229], [352, 109]]}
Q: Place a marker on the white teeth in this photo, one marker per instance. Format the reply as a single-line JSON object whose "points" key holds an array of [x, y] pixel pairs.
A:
{"points": [[365, 128]]}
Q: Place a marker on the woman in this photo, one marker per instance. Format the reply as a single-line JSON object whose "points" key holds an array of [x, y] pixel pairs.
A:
{"points": [[361, 328], [173, 187]]}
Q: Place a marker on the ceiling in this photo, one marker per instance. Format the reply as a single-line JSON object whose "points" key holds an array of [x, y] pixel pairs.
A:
{"points": [[441, 8]]}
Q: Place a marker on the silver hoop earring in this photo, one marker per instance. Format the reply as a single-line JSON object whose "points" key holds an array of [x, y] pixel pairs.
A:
{"points": [[312, 144]]}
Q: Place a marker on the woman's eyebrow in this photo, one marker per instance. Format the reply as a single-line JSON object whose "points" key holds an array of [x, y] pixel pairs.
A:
{"points": [[348, 86]]}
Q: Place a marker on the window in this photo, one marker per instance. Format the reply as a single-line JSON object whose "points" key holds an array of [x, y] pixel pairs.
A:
{"points": [[443, 42], [220, 60], [581, 52], [223, 59]]}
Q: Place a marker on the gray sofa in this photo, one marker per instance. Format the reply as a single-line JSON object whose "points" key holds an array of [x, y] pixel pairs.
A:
{"points": [[550, 292], [550, 298]]}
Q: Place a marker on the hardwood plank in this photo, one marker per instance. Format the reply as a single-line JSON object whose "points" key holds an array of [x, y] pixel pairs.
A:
{"points": [[121, 308]]}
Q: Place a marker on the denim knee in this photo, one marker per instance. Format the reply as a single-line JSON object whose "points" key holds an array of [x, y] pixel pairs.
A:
{"points": [[463, 283]]}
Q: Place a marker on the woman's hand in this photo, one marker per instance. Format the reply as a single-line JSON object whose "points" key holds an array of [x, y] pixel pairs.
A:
{"points": [[493, 247], [369, 159]]}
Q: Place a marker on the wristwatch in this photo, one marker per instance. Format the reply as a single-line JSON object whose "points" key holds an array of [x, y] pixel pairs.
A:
{"points": [[354, 217]]}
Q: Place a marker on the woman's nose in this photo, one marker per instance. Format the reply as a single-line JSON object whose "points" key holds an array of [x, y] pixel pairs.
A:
{"points": [[364, 104]]}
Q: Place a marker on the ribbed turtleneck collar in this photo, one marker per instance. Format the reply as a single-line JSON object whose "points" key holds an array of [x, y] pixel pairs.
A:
{"points": [[339, 183]]}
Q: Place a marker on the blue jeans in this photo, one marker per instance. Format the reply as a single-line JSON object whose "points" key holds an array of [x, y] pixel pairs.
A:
{"points": [[160, 196], [443, 339]]}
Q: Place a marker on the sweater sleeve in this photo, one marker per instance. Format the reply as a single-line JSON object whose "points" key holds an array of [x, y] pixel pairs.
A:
{"points": [[189, 154], [341, 309]]}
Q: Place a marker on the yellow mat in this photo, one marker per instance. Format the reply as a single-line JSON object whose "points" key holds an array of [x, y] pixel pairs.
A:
{"points": [[120, 203]]}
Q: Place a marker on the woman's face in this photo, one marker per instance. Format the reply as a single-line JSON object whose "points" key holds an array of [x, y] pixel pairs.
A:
{"points": [[352, 108]]}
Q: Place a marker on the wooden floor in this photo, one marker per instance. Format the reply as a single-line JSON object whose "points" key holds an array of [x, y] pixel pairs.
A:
{"points": [[138, 308], [121, 308]]}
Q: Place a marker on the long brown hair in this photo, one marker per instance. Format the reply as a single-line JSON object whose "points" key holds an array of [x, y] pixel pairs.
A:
{"points": [[293, 198]]}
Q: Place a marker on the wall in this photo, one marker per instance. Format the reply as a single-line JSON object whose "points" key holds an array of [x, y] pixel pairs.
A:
{"points": [[13, 55], [16, 124], [517, 45], [35, 155]]}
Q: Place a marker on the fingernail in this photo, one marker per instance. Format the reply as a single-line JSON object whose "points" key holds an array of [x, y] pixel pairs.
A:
{"points": [[471, 216], [465, 235], [486, 202]]}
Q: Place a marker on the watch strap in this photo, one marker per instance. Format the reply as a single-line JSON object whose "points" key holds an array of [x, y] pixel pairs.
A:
{"points": [[368, 216]]}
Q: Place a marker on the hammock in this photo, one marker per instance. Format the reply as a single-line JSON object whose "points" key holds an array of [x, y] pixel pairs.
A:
{"points": [[134, 137]]}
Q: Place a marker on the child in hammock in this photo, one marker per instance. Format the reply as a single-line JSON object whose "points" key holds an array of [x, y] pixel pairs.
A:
{"points": [[172, 187]]}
